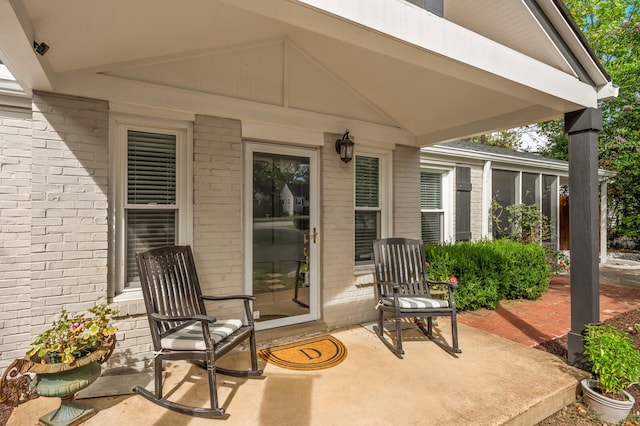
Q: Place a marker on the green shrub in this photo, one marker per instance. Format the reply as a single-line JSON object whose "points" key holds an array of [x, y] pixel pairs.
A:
{"points": [[614, 358], [488, 271]]}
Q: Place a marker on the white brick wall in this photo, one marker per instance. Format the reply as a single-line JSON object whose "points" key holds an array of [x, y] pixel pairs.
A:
{"points": [[406, 192], [476, 202], [15, 232], [69, 206], [217, 206]]}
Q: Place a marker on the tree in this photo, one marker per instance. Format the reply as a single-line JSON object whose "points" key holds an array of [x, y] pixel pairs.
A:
{"points": [[509, 139], [612, 28]]}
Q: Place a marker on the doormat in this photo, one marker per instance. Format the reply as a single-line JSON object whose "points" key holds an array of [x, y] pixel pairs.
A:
{"points": [[310, 354]]}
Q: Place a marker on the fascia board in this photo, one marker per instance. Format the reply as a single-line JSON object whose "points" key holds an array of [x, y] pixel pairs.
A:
{"points": [[576, 45]]}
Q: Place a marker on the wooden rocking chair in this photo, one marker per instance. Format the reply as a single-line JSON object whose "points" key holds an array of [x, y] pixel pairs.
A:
{"points": [[181, 329], [403, 291]]}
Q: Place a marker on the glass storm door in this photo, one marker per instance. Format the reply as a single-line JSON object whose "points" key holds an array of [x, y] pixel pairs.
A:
{"points": [[282, 235]]}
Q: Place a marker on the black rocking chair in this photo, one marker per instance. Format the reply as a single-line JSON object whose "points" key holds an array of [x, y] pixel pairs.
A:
{"points": [[404, 291], [181, 329]]}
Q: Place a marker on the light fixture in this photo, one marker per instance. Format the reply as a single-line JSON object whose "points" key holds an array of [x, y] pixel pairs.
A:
{"points": [[344, 147], [40, 48]]}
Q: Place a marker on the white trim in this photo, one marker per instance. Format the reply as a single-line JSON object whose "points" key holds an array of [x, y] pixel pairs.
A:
{"points": [[274, 132], [118, 126]]}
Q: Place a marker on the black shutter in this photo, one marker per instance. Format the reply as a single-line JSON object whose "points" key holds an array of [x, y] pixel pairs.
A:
{"points": [[463, 203]]}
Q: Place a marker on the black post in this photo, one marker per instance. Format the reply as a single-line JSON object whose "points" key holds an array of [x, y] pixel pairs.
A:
{"points": [[583, 127]]}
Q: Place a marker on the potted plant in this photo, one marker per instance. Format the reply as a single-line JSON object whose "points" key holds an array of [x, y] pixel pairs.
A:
{"points": [[70, 338], [615, 363], [66, 358]]}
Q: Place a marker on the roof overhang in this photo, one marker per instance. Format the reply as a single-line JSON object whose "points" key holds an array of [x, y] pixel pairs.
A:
{"points": [[383, 68]]}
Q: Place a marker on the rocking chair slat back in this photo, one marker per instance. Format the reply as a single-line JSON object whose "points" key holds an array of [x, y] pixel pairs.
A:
{"points": [[169, 277], [400, 261]]}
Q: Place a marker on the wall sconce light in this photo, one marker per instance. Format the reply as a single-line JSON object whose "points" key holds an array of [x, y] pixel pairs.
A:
{"points": [[40, 48], [344, 147]]}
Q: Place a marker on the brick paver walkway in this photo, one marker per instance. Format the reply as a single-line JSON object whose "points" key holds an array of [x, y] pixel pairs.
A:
{"points": [[531, 322]]}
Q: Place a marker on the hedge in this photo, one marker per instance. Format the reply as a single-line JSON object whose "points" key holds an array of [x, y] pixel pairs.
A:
{"points": [[489, 271]]}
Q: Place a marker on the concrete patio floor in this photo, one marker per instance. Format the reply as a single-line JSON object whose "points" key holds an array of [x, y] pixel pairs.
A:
{"points": [[494, 381], [499, 379]]}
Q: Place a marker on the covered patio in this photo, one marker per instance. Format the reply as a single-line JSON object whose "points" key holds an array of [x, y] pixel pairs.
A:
{"points": [[237, 84]]}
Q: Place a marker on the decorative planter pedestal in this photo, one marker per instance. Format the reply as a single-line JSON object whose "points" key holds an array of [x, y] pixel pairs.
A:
{"points": [[65, 384], [610, 410]]}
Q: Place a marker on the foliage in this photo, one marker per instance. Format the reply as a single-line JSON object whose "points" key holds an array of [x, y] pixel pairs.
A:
{"points": [[612, 28], [488, 271], [509, 139], [72, 337], [614, 358], [521, 222]]}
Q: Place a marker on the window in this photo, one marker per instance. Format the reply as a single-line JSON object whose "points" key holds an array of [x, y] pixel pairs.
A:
{"points": [[550, 206], [151, 189], [431, 207], [368, 207], [503, 184]]}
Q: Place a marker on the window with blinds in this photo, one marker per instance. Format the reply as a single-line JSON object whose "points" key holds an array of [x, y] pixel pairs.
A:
{"points": [[368, 210], [431, 207], [151, 208]]}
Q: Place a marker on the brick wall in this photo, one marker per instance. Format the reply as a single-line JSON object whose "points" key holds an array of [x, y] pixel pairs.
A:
{"points": [[476, 202], [406, 192], [217, 206], [15, 232]]}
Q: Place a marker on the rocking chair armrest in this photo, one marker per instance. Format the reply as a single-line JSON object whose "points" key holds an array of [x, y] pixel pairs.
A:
{"points": [[232, 297], [167, 318]]}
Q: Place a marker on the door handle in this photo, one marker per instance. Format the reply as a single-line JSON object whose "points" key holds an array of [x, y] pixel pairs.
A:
{"points": [[314, 235]]}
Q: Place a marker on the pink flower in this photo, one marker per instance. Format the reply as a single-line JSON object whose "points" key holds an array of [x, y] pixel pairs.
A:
{"points": [[620, 139], [453, 279], [426, 264], [627, 107], [74, 326]]}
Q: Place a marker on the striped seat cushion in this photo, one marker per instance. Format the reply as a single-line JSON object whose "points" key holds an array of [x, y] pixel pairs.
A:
{"points": [[418, 302], [190, 337]]}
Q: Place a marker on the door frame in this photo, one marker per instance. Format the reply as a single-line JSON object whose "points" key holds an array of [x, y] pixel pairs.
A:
{"points": [[314, 213]]}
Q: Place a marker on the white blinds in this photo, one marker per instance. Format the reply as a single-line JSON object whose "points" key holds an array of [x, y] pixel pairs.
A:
{"points": [[367, 181], [367, 214], [151, 211], [151, 168], [431, 205], [430, 191]]}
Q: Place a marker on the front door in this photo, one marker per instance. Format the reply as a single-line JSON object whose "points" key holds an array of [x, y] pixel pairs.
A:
{"points": [[281, 234]]}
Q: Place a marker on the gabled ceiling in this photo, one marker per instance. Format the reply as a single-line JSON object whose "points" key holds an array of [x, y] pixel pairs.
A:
{"points": [[294, 56]]}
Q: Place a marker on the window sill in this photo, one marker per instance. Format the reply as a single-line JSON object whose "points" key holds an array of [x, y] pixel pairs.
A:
{"points": [[129, 303]]}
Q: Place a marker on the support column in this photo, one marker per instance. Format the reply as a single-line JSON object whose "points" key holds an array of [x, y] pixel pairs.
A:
{"points": [[583, 127], [604, 237]]}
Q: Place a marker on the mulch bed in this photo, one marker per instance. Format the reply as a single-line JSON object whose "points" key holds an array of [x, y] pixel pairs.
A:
{"points": [[626, 322]]}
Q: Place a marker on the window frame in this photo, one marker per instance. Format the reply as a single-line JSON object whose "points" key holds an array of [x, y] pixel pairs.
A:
{"points": [[447, 201], [119, 125], [385, 191]]}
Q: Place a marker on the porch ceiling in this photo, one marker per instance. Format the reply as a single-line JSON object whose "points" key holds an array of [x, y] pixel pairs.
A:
{"points": [[293, 58]]}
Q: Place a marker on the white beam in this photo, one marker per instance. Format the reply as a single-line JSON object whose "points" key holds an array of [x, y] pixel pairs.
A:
{"points": [[16, 49]]}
